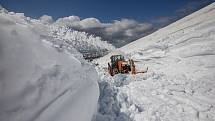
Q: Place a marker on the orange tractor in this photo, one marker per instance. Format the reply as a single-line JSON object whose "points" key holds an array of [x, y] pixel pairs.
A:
{"points": [[119, 65]]}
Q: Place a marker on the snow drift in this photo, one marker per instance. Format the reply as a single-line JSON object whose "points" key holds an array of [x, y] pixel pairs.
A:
{"points": [[180, 83], [40, 81]]}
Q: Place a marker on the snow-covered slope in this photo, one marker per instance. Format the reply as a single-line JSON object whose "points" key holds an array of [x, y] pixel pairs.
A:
{"points": [[180, 83], [41, 80]]}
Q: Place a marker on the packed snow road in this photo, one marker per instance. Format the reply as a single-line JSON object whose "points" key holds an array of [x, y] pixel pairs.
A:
{"points": [[180, 82]]}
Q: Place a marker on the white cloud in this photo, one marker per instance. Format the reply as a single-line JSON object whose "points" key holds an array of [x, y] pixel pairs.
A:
{"points": [[119, 26], [69, 19], [77, 23], [127, 28], [72, 21], [46, 19], [90, 23], [141, 28], [21, 15]]}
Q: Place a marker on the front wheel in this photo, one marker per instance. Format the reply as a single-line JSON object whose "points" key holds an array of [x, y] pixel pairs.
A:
{"points": [[110, 70]]}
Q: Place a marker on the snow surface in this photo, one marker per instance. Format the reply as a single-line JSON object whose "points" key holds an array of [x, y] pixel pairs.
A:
{"points": [[180, 82], [42, 79]]}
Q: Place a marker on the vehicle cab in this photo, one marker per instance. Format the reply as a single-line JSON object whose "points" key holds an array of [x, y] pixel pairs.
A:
{"points": [[115, 59]]}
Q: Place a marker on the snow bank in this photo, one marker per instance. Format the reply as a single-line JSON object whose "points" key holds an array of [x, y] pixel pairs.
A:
{"points": [[180, 82], [37, 81]]}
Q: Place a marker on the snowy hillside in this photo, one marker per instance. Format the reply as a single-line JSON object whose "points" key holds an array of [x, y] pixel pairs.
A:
{"points": [[41, 80], [180, 82]]}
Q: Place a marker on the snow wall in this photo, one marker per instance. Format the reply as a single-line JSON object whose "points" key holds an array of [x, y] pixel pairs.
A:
{"points": [[40, 83]]}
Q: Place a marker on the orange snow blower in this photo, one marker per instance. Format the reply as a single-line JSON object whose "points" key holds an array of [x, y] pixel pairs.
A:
{"points": [[119, 65]]}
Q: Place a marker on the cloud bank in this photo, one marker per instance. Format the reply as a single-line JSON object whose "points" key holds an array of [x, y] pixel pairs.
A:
{"points": [[119, 32], [124, 31], [46, 19]]}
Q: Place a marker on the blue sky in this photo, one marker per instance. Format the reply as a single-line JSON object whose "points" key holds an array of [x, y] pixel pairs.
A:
{"points": [[135, 18], [104, 10]]}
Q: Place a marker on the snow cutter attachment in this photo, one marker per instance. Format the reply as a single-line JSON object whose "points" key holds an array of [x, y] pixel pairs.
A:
{"points": [[119, 65]]}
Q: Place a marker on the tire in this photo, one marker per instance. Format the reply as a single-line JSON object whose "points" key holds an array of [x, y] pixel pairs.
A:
{"points": [[110, 70]]}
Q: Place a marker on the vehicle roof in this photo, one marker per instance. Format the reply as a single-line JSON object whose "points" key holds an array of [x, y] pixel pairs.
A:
{"points": [[117, 55]]}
